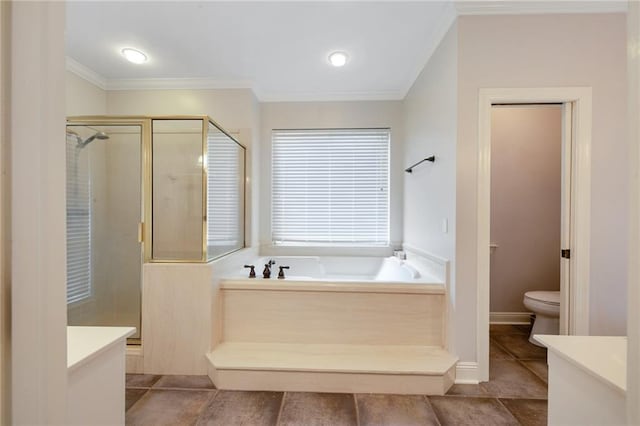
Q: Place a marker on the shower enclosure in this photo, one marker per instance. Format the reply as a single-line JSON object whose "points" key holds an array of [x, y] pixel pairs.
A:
{"points": [[145, 189]]}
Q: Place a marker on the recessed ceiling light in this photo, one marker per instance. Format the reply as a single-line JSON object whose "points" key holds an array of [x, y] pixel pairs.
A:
{"points": [[133, 55], [338, 59]]}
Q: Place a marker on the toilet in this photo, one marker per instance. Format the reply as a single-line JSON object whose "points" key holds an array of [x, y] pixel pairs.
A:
{"points": [[546, 306]]}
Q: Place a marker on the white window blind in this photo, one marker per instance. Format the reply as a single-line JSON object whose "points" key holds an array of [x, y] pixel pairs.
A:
{"points": [[224, 200], [78, 222], [330, 186]]}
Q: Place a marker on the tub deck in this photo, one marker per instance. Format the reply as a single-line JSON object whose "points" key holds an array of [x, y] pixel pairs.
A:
{"points": [[333, 285], [333, 333], [399, 369]]}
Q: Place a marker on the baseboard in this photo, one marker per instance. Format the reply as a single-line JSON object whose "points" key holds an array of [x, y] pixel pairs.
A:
{"points": [[467, 373], [134, 359], [510, 318]]}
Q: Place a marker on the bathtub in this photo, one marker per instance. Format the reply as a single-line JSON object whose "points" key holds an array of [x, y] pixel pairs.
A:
{"points": [[332, 273], [319, 329]]}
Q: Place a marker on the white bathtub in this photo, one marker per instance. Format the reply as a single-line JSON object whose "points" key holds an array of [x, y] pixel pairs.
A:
{"points": [[315, 271]]}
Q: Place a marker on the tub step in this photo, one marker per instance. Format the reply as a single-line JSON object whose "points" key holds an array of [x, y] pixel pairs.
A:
{"points": [[399, 369]]}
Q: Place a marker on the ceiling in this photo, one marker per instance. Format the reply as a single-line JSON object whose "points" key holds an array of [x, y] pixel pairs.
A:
{"points": [[278, 49]]}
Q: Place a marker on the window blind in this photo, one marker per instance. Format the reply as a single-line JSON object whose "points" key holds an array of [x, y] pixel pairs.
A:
{"points": [[78, 222], [224, 208], [330, 186]]}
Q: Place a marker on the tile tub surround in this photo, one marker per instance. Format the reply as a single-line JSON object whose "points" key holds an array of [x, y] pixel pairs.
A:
{"points": [[332, 335]]}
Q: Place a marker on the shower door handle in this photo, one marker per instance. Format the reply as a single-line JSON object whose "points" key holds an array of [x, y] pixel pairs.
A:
{"points": [[140, 232]]}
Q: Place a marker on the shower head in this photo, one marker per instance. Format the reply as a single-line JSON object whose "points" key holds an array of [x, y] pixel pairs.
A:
{"points": [[98, 135]]}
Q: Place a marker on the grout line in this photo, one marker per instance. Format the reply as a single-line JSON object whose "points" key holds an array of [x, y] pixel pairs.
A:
{"points": [[504, 348], [355, 402], [507, 408], [546, 385], [185, 389], [426, 398], [533, 398], [485, 396], [284, 395]]}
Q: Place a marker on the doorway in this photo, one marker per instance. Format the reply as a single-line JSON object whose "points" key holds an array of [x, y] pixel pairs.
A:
{"points": [[576, 107], [527, 201]]}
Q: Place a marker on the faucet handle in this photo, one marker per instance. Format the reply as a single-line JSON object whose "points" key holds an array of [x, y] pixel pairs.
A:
{"points": [[271, 262], [252, 272], [281, 273]]}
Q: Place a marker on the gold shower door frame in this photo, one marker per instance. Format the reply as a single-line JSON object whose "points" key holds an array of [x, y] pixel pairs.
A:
{"points": [[145, 229], [146, 220]]}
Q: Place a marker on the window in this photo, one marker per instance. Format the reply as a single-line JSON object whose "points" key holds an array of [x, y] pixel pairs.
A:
{"points": [[330, 187], [78, 221]]}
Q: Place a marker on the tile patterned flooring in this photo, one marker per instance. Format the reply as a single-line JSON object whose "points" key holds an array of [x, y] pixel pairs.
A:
{"points": [[516, 394]]}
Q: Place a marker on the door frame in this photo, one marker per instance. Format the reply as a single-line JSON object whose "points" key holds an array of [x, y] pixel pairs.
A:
{"points": [[580, 99]]}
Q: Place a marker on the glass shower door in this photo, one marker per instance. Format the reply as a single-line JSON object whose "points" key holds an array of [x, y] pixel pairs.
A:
{"points": [[104, 210]]}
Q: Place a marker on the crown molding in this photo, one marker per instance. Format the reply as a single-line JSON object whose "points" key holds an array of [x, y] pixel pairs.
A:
{"points": [[209, 83], [86, 73], [390, 95], [527, 7], [447, 18], [175, 84]]}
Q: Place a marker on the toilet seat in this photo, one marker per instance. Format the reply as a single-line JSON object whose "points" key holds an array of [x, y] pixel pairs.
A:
{"points": [[543, 302], [546, 297]]}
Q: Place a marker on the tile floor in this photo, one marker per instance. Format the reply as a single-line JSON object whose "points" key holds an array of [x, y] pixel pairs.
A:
{"points": [[516, 394]]}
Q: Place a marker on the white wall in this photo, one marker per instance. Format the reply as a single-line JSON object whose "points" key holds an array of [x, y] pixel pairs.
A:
{"points": [[430, 110], [312, 115], [38, 259], [512, 51], [526, 165], [633, 321]]}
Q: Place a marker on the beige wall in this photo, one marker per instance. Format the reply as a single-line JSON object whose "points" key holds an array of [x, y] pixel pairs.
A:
{"points": [[526, 179], [542, 51], [84, 98], [311, 115], [236, 110], [430, 112]]}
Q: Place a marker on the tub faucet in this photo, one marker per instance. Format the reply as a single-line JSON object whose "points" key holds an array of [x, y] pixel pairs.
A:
{"points": [[281, 273], [266, 273], [252, 272]]}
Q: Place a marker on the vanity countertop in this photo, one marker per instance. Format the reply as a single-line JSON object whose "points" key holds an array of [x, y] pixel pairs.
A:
{"points": [[604, 357], [85, 343]]}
